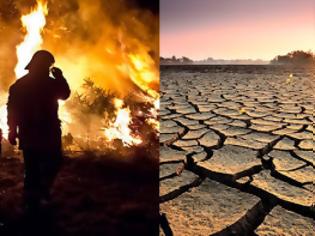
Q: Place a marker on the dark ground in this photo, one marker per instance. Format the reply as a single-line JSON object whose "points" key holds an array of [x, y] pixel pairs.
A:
{"points": [[104, 195]]}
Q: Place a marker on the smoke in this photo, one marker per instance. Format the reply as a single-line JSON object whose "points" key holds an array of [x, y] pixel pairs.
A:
{"points": [[90, 39]]}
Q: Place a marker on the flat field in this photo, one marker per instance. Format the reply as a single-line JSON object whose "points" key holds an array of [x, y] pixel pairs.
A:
{"points": [[237, 150]]}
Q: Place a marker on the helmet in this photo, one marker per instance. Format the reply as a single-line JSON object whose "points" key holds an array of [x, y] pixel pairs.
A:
{"points": [[41, 58]]}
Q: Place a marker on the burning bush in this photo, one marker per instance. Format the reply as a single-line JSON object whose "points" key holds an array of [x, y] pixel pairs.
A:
{"points": [[92, 99], [96, 119]]}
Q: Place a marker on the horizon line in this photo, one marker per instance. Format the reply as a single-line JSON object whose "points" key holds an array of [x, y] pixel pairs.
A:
{"points": [[250, 59], [219, 59]]}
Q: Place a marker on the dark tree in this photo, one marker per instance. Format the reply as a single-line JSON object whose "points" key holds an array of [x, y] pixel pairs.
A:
{"points": [[299, 58], [175, 61]]}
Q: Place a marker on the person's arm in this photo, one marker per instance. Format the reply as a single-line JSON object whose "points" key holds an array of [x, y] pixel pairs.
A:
{"points": [[12, 116], [62, 87]]}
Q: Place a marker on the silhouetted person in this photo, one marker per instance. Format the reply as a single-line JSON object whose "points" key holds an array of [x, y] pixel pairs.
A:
{"points": [[33, 119]]}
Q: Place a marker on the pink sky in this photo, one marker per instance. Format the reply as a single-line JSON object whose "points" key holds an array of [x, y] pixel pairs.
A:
{"points": [[248, 35]]}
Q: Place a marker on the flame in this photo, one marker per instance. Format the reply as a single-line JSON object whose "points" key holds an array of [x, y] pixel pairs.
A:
{"points": [[119, 129], [153, 120], [134, 62], [154, 123], [33, 23], [3, 121], [64, 116], [143, 73]]}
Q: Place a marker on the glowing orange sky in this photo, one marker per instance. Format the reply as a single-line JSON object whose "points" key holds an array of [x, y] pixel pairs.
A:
{"points": [[236, 31]]}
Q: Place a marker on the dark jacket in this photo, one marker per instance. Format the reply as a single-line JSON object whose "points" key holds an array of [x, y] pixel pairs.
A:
{"points": [[33, 111]]}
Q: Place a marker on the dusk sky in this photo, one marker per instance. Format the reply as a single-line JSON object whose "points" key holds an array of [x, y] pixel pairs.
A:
{"points": [[236, 29]]}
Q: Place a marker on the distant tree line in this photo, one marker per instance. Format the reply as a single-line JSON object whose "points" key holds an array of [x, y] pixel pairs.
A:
{"points": [[299, 58], [175, 61], [209, 61], [294, 58]]}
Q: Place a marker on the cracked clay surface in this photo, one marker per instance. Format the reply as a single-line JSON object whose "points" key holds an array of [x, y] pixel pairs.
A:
{"points": [[237, 150]]}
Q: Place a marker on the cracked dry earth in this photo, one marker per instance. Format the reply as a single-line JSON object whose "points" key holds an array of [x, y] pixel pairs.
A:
{"points": [[237, 151]]}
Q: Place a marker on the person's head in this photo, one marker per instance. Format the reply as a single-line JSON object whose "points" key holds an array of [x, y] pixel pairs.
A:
{"points": [[40, 63]]}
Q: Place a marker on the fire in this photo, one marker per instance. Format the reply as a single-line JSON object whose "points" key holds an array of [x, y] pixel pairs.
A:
{"points": [[33, 23], [127, 59], [143, 73], [153, 120], [3, 120], [64, 116], [119, 129]]}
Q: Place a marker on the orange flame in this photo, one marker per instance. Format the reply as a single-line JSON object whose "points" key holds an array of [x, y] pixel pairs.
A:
{"points": [[33, 23], [138, 66], [143, 73], [3, 120], [154, 112], [119, 129]]}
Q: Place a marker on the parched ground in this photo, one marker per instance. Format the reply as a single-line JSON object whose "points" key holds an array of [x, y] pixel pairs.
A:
{"points": [[237, 151], [108, 194]]}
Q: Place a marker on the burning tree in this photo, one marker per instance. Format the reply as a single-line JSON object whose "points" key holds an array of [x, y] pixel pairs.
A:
{"points": [[86, 110], [100, 118], [92, 99]]}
